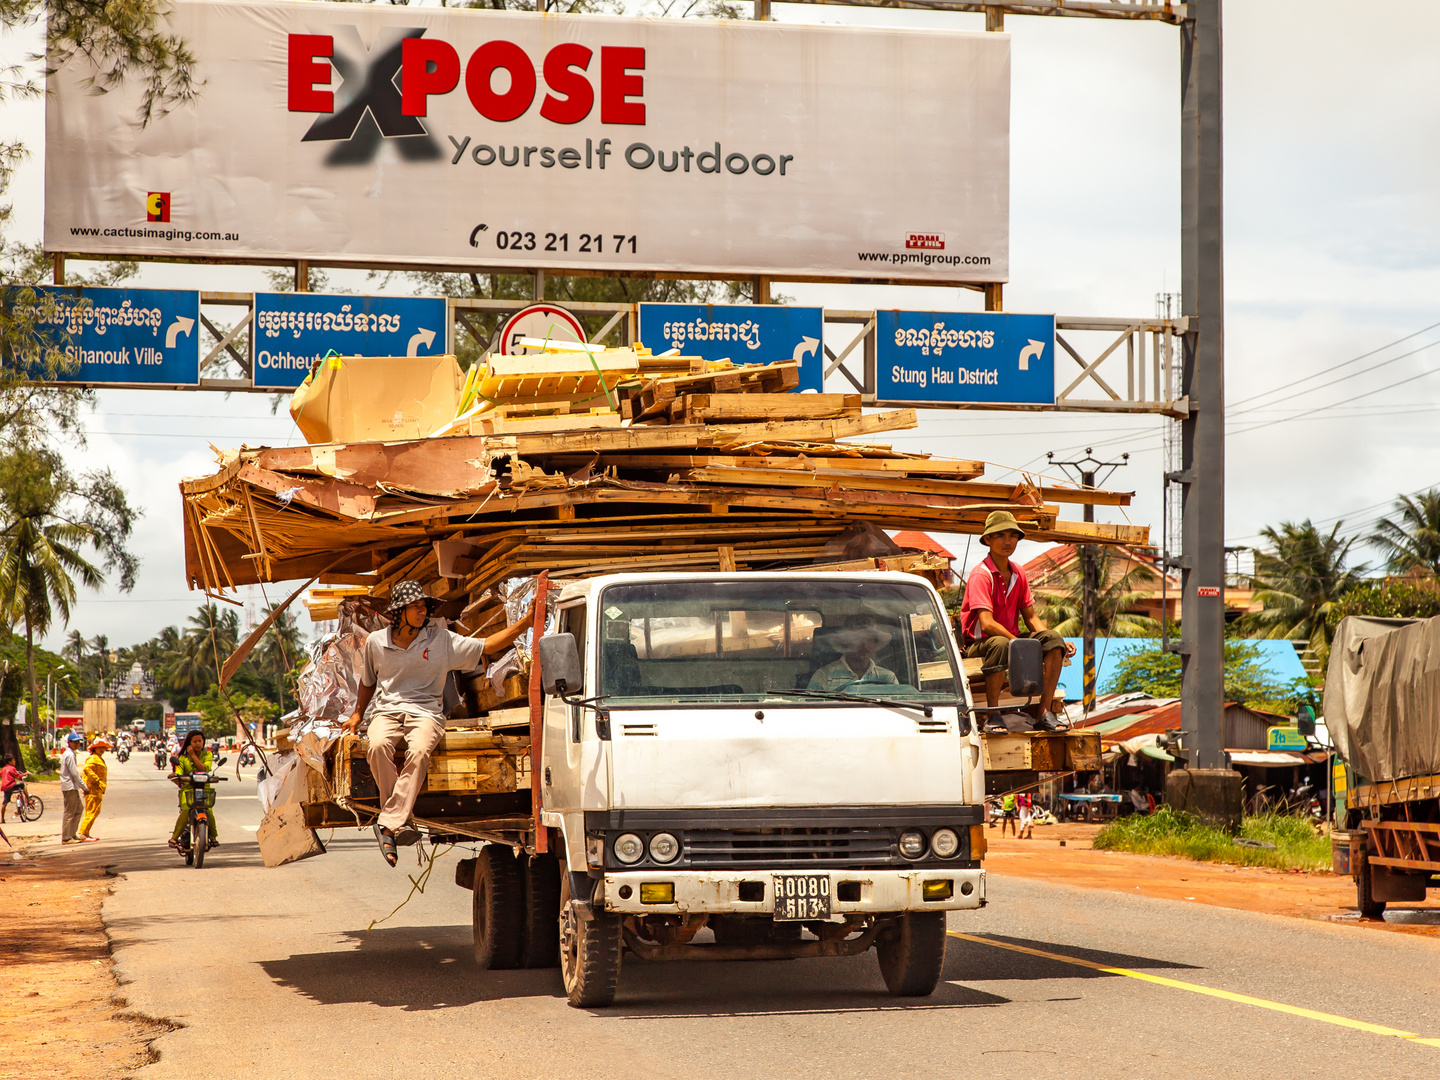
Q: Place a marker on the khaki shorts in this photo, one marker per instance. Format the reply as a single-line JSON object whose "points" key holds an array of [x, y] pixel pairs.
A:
{"points": [[995, 651]]}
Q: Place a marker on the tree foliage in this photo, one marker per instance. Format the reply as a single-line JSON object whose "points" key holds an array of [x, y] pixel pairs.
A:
{"points": [[1247, 681], [1115, 600], [1411, 539], [1389, 598], [1298, 578]]}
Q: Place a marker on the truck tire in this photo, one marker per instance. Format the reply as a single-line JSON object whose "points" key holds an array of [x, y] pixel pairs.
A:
{"points": [[589, 954], [1370, 908], [912, 956], [539, 941], [497, 909]]}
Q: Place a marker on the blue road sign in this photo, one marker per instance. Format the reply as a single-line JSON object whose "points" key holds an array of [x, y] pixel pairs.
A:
{"points": [[948, 357], [293, 330], [740, 333], [114, 337]]}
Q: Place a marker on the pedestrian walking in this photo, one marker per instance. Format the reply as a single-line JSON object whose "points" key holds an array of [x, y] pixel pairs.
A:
{"points": [[1008, 813], [1026, 804], [72, 789], [96, 774]]}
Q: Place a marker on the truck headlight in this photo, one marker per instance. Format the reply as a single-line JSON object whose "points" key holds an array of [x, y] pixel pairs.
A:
{"points": [[944, 843], [912, 844], [629, 848], [664, 847]]}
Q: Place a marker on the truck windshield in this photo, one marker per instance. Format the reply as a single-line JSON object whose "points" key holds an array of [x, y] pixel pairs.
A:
{"points": [[720, 641]]}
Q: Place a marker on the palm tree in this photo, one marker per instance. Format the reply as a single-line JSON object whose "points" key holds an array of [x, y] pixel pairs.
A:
{"points": [[190, 667], [1298, 579], [1114, 600], [100, 646], [75, 646], [1411, 540], [279, 650], [40, 558]]}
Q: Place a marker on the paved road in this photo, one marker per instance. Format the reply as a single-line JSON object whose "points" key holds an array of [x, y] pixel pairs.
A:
{"points": [[273, 973]]}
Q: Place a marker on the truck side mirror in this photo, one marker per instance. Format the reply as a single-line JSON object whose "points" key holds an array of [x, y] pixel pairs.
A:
{"points": [[1305, 720], [560, 670], [1025, 667]]}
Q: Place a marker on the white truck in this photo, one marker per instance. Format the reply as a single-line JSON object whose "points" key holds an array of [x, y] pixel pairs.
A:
{"points": [[785, 760]]}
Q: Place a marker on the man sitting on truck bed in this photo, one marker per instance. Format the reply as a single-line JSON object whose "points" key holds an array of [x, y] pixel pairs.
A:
{"points": [[403, 669], [857, 640], [996, 597]]}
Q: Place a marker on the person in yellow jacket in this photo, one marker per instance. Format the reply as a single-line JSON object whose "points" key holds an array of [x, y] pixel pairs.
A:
{"points": [[95, 775]]}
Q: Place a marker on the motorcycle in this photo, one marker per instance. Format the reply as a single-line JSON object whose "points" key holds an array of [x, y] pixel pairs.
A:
{"points": [[247, 757], [123, 754], [195, 840]]}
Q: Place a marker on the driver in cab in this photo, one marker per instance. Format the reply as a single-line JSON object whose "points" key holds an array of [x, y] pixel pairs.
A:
{"points": [[857, 640]]}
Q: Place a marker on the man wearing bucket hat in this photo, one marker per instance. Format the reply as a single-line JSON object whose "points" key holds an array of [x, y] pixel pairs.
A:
{"points": [[997, 597], [72, 789], [403, 669]]}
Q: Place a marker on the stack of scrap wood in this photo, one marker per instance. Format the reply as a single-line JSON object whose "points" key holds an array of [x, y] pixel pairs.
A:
{"points": [[582, 461]]}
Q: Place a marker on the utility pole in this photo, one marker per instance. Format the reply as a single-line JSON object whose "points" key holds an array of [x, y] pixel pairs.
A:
{"points": [[1087, 469], [1202, 473]]}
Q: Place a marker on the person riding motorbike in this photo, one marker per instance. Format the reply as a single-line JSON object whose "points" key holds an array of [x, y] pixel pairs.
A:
{"points": [[193, 758]]}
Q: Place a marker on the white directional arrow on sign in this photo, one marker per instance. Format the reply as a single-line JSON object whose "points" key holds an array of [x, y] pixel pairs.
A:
{"points": [[423, 337], [807, 347], [181, 325], [1035, 349]]}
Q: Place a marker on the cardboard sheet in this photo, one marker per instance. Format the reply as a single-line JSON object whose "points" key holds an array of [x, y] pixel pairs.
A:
{"points": [[377, 398]]}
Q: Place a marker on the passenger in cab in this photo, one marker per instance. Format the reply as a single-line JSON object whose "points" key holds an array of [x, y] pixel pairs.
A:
{"points": [[857, 641]]}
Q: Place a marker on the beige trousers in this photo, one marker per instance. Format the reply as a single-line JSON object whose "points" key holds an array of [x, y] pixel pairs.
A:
{"points": [[421, 735]]}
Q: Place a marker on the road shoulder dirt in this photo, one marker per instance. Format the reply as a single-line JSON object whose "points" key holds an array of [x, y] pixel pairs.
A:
{"points": [[62, 1014], [1321, 896]]}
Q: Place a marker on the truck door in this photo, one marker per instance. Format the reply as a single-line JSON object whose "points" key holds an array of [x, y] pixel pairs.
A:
{"points": [[570, 741]]}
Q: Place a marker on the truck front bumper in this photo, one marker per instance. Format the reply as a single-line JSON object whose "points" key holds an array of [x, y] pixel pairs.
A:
{"points": [[708, 891]]}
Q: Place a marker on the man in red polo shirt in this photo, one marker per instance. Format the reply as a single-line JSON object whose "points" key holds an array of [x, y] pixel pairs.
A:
{"points": [[997, 596]]}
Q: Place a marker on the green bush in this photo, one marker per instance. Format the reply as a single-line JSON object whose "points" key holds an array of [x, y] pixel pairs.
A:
{"points": [[1157, 673], [1391, 598], [1181, 834]]}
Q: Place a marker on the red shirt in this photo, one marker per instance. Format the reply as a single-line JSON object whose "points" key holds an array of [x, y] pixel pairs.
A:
{"points": [[8, 775], [985, 590]]}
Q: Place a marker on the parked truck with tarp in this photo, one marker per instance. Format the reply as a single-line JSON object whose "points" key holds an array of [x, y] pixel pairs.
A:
{"points": [[1382, 709]]}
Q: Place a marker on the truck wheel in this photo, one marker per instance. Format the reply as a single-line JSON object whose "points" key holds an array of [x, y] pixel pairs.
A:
{"points": [[912, 956], [498, 909], [589, 954], [539, 943], [1370, 908]]}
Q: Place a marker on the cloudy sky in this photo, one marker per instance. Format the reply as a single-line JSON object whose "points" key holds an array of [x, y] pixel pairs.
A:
{"points": [[1332, 255]]}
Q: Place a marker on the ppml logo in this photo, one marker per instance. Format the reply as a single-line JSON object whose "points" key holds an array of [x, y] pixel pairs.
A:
{"points": [[384, 91], [366, 107]]}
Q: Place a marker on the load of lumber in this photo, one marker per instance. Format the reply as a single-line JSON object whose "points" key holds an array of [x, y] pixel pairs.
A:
{"points": [[578, 460]]}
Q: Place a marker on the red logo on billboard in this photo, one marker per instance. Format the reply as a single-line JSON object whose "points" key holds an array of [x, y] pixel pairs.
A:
{"points": [[157, 206], [925, 241]]}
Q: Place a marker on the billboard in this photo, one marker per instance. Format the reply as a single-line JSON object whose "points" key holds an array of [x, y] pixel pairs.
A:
{"points": [[117, 337], [394, 134], [293, 330], [740, 333], [964, 358]]}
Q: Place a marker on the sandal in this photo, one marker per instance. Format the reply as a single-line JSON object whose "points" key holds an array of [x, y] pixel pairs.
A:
{"points": [[386, 840], [174, 845]]}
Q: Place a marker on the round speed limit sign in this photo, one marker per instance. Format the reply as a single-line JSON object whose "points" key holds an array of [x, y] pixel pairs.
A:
{"points": [[543, 322]]}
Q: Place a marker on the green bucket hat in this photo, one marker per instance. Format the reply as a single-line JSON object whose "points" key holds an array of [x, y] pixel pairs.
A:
{"points": [[999, 521]]}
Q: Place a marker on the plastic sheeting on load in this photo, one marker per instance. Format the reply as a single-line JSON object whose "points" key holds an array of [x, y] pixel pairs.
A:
{"points": [[1382, 696]]}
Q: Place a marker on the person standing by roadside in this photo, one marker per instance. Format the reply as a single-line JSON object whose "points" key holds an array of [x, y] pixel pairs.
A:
{"points": [[96, 775], [72, 789], [1008, 811], [1027, 816]]}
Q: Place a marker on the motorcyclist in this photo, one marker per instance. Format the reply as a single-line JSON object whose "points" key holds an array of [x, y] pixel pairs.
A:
{"points": [[193, 758]]}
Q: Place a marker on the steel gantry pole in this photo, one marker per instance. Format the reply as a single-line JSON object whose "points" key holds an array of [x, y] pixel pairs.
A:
{"points": [[1202, 472]]}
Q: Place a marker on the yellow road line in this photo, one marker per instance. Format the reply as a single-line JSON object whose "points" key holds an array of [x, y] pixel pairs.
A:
{"points": [[1208, 991]]}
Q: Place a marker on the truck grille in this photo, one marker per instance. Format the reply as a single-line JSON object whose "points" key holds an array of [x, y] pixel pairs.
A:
{"points": [[716, 848]]}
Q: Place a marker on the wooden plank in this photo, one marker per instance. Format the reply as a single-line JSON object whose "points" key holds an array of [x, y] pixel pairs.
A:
{"points": [[802, 461], [639, 438], [561, 363], [1006, 753], [713, 408]]}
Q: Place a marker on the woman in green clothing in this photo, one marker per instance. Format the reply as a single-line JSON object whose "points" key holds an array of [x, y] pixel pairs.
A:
{"points": [[193, 758]]}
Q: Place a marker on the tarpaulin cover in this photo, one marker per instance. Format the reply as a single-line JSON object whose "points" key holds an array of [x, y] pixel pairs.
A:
{"points": [[1382, 696]]}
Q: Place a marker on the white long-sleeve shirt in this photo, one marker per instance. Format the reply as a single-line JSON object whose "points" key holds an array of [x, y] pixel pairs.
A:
{"points": [[70, 779]]}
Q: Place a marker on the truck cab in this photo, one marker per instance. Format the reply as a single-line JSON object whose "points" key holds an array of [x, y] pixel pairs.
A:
{"points": [[785, 759]]}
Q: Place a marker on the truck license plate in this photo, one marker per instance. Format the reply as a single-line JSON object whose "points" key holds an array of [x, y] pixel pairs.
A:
{"points": [[801, 897]]}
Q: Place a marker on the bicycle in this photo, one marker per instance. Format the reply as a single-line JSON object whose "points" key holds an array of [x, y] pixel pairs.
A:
{"points": [[28, 807]]}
